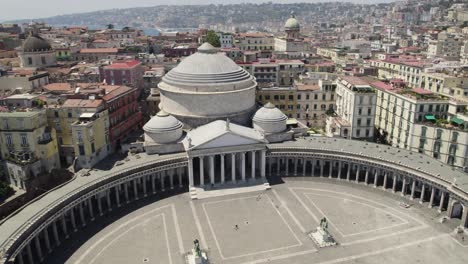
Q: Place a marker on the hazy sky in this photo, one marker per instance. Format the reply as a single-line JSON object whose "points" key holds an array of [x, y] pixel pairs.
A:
{"points": [[29, 9]]}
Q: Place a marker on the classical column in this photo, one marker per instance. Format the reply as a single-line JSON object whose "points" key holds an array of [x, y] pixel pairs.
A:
{"points": [[348, 174], [413, 189], [394, 183], [304, 164], [222, 169], [190, 173], [376, 177], [90, 208], [295, 166], [135, 188], [153, 178], [270, 164], [423, 192], [233, 167], [171, 178], [109, 203], [38, 248], [99, 202], [212, 167], [366, 178], [162, 178], [278, 165], [339, 170], [29, 252], [464, 218], [243, 166], [287, 166], [252, 171], [403, 188], [20, 257], [126, 192], [451, 203], [55, 232], [262, 162], [202, 171], [313, 168], [144, 179], [431, 200], [322, 163], [64, 226], [117, 194], [358, 170], [330, 169], [442, 200], [82, 216], [47, 240], [180, 171], [73, 220], [384, 186]]}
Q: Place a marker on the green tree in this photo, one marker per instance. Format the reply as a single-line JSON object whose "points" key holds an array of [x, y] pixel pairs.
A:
{"points": [[213, 39], [110, 26]]}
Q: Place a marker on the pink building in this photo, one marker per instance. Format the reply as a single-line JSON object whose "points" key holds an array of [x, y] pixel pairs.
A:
{"points": [[126, 72]]}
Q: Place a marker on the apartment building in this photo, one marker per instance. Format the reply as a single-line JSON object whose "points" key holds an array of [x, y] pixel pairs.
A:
{"points": [[315, 101], [254, 41], [422, 121], [283, 97], [28, 145], [91, 142], [355, 110]]}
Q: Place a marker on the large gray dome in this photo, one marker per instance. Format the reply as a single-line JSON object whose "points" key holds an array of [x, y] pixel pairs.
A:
{"points": [[206, 66], [35, 43], [208, 86]]}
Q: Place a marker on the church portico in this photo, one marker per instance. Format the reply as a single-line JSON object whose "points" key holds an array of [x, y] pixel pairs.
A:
{"points": [[229, 154]]}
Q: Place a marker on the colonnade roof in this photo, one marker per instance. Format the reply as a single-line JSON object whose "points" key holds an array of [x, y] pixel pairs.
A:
{"points": [[104, 169], [402, 157]]}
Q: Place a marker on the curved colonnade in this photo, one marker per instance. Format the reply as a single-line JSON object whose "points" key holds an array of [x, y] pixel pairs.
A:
{"points": [[56, 223]]}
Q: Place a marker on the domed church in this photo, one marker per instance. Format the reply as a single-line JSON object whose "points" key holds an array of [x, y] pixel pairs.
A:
{"points": [[36, 52], [208, 110]]}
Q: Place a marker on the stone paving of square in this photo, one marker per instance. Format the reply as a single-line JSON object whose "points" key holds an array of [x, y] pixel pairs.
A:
{"points": [[272, 227]]}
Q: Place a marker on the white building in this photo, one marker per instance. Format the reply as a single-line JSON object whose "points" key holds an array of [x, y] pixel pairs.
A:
{"points": [[355, 110], [446, 46], [292, 45], [423, 122], [225, 39], [315, 101]]}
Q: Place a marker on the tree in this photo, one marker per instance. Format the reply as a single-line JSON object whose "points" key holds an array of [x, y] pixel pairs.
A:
{"points": [[213, 39], [110, 26]]}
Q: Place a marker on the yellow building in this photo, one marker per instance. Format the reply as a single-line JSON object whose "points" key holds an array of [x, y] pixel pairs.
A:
{"points": [[61, 117], [28, 145], [283, 97], [91, 138]]}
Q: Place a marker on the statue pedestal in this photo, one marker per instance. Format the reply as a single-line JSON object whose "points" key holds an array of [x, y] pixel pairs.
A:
{"points": [[192, 258], [322, 237]]}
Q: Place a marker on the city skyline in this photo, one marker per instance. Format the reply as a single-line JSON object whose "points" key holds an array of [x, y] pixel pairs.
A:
{"points": [[13, 10]]}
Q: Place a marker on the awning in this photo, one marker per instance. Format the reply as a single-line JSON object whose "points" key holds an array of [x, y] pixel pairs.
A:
{"points": [[430, 117], [457, 121], [291, 121], [87, 115]]}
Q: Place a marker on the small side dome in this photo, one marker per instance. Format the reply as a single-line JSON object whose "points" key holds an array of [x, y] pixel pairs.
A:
{"points": [[163, 128], [269, 119], [292, 23], [35, 43]]}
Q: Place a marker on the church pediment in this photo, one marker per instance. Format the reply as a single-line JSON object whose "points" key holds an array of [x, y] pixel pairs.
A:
{"points": [[219, 134]]}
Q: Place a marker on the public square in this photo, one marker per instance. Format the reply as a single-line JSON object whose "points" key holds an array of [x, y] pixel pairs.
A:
{"points": [[271, 226]]}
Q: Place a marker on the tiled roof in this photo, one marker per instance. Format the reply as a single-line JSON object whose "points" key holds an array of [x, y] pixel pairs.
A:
{"points": [[78, 103], [123, 64], [102, 50]]}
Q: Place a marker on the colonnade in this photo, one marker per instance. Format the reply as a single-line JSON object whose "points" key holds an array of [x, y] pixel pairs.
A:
{"points": [[236, 167], [100, 202], [385, 178]]}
